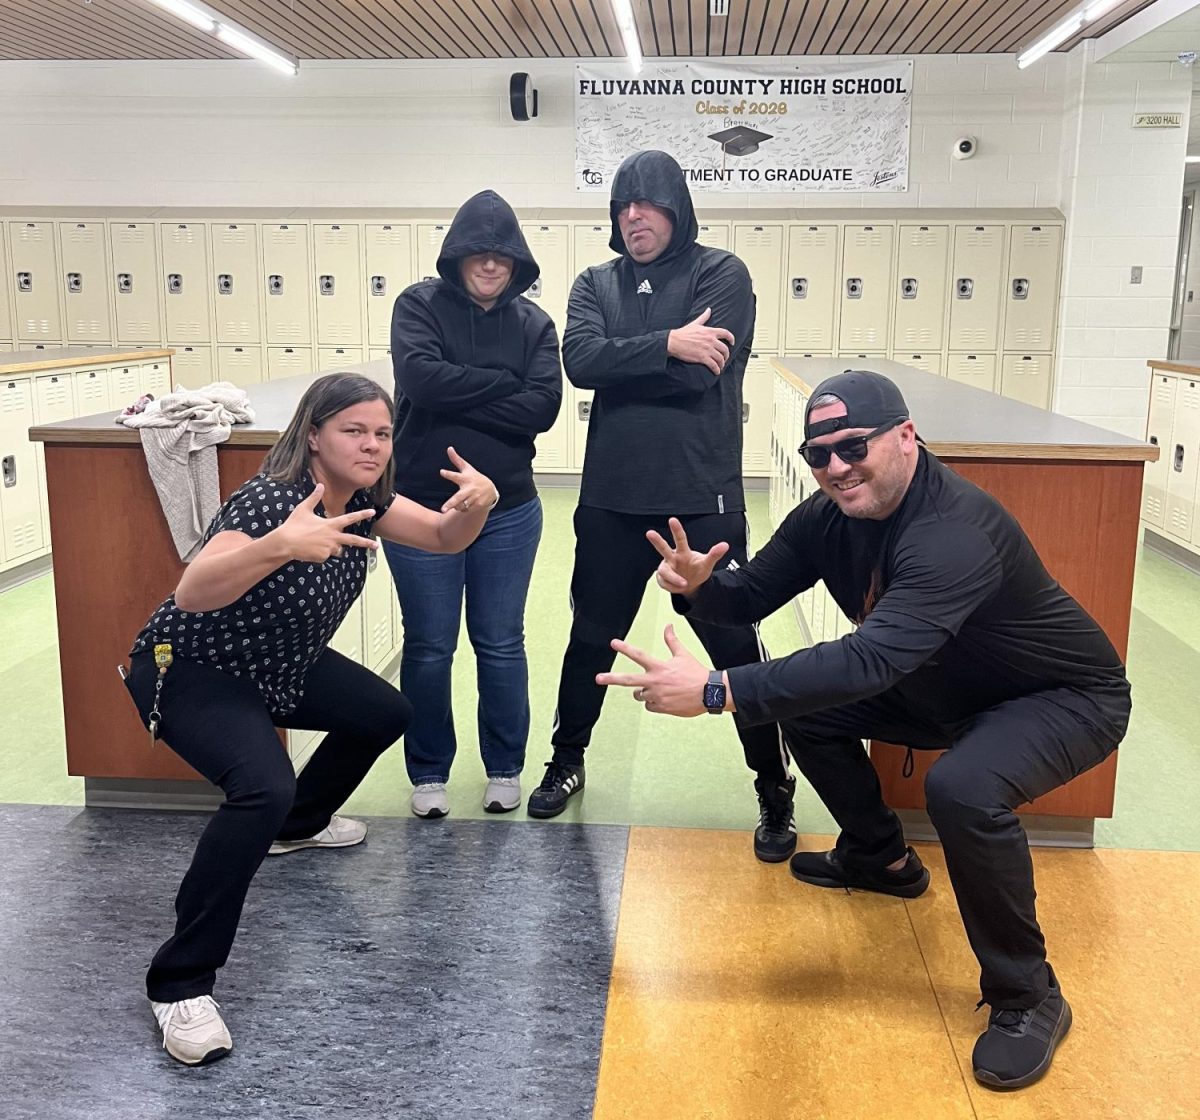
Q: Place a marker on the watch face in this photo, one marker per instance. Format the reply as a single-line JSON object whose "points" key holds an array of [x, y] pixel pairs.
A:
{"points": [[714, 697]]}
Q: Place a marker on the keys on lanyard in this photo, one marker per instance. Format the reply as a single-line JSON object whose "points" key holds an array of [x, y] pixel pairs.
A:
{"points": [[163, 658]]}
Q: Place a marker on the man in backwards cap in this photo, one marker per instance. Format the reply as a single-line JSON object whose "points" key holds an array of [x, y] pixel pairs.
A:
{"points": [[662, 335], [964, 642]]}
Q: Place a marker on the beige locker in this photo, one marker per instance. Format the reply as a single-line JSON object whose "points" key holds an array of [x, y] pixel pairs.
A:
{"points": [[338, 263], [1031, 287], [757, 402], [1182, 454], [6, 327], [862, 359], [53, 400], [377, 353], [590, 244], [185, 287], [377, 597], [35, 282], [288, 288], [919, 302], [91, 392], [716, 235], [975, 278], [429, 245], [192, 366], [20, 492], [760, 248], [551, 248], [348, 640], [1163, 392], [865, 290], [237, 299], [7, 348], [978, 370], [81, 253], [577, 403], [1027, 378], [810, 288], [156, 378], [124, 385], [930, 361], [135, 287], [389, 272], [288, 361], [243, 365], [338, 357]]}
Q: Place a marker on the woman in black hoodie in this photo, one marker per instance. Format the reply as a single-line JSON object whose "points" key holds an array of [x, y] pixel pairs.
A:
{"points": [[477, 368]]}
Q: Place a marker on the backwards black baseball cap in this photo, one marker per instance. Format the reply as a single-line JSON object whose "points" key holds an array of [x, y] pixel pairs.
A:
{"points": [[871, 401]]}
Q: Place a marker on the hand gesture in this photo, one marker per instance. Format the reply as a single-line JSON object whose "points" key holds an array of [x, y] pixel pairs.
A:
{"points": [[475, 491], [700, 345], [307, 536], [673, 688], [683, 569]]}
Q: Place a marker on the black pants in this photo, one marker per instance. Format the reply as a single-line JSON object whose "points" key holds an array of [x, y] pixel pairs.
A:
{"points": [[613, 562], [998, 760], [219, 725]]}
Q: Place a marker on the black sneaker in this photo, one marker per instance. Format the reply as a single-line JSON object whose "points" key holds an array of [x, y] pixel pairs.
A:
{"points": [[775, 836], [825, 869], [1019, 1043], [561, 781]]}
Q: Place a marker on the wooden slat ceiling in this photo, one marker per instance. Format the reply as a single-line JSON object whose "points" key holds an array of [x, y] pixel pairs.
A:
{"points": [[360, 29]]}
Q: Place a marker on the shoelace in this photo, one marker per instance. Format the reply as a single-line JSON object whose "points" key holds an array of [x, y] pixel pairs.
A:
{"points": [[774, 816], [556, 775], [1011, 1020], [184, 1008]]}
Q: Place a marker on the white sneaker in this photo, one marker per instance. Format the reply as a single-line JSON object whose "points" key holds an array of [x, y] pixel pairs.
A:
{"points": [[429, 800], [193, 1031], [341, 832], [502, 795]]}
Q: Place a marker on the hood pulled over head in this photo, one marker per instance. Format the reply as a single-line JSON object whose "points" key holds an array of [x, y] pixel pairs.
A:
{"points": [[485, 223], [655, 177]]}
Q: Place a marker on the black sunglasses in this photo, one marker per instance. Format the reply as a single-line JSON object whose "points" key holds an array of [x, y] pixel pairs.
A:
{"points": [[852, 450]]}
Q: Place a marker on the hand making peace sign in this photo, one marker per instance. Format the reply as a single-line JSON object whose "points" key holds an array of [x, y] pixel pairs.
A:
{"points": [[307, 536], [683, 569], [673, 688]]}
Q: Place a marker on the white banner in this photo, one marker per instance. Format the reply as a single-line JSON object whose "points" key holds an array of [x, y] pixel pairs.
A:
{"points": [[820, 126]]}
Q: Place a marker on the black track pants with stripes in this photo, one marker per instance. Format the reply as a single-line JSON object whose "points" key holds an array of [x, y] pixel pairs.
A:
{"points": [[613, 564]]}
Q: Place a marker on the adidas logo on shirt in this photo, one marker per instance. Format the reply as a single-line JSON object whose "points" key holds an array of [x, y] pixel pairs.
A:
{"points": [[644, 289]]}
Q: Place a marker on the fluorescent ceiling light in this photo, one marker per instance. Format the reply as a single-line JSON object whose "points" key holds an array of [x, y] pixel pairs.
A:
{"points": [[623, 11], [1191, 159], [256, 48], [189, 13], [1098, 8], [231, 34], [1069, 26]]}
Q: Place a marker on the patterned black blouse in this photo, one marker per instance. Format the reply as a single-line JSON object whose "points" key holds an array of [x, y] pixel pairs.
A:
{"points": [[275, 632]]}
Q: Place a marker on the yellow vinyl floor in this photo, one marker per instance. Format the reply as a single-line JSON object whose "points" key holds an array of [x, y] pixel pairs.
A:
{"points": [[740, 994]]}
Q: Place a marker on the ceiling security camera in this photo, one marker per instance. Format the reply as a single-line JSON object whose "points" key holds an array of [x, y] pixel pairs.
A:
{"points": [[965, 147]]}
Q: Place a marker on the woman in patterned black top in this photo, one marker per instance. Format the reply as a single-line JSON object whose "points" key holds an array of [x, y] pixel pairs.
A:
{"points": [[248, 629]]}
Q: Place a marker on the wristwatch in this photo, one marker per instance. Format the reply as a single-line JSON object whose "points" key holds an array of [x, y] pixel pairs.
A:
{"points": [[714, 693]]}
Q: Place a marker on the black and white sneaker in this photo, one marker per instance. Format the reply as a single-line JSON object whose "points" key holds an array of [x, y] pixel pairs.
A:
{"points": [[775, 836], [562, 780], [1019, 1044]]}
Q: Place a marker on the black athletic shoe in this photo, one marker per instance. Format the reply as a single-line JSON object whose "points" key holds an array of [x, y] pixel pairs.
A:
{"points": [[775, 836], [1019, 1044], [825, 869], [561, 781]]}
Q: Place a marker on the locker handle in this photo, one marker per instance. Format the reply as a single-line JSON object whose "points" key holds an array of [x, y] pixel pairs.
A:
{"points": [[74, 282], [378, 285], [175, 283], [745, 412], [1020, 288], [274, 285], [225, 284], [964, 287], [10, 471], [24, 281], [585, 410], [124, 283], [1179, 457], [799, 287], [908, 288], [325, 285], [1154, 440], [854, 287]]}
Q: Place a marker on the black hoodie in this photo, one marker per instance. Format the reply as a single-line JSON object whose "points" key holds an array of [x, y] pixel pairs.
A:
{"points": [[665, 436], [484, 382]]}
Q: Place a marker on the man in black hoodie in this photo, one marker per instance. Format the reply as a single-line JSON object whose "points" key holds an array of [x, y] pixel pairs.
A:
{"points": [[477, 369], [662, 334], [964, 641]]}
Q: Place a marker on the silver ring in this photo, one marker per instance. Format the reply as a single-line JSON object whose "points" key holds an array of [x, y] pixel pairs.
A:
{"points": [[466, 506]]}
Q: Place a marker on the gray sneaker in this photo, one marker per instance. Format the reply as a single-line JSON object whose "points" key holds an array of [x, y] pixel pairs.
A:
{"points": [[341, 832], [502, 795], [429, 800], [193, 1031]]}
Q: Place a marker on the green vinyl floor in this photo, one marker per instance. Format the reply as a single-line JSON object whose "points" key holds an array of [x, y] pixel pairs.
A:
{"points": [[649, 770]]}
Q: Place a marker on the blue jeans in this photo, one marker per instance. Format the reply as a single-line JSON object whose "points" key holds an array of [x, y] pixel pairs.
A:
{"points": [[494, 572]]}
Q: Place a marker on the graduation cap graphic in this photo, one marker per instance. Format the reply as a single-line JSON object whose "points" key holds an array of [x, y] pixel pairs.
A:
{"points": [[739, 141]]}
